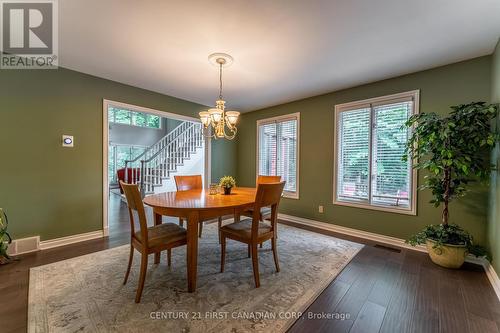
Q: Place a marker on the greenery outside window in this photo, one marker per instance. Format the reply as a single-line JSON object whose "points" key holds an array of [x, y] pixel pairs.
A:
{"points": [[117, 155], [127, 117], [370, 140]]}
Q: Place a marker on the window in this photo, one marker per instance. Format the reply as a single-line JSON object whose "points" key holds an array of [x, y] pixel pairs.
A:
{"points": [[278, 150], [123, 116], [369, 144], [117, 155]]}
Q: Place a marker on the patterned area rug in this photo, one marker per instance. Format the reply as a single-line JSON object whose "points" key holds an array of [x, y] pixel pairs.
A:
{"points": [[86, 294]]}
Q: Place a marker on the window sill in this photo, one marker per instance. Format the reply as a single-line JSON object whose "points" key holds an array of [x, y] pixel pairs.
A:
{"points": [[404, 211]]}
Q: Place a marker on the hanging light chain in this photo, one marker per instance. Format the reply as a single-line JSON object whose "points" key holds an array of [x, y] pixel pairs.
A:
{"points": [[220, 80]]}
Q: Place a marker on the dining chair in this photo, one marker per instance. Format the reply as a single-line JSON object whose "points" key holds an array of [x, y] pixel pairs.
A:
{"points": [[253, 231], [265, 212], [148, 240], [184, 183]]}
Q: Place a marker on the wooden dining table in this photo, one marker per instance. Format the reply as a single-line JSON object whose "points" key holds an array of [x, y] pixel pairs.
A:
{"points": [[195, 206]]}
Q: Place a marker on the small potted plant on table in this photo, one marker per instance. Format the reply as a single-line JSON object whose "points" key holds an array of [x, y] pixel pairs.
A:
{"points": [[227, 183], [452, 150]]}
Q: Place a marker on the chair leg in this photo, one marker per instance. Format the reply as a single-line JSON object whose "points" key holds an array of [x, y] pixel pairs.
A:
{"points": [[200, 229], [169, 257], [219, 226], [255, 264], [275, 254], [129, 264], [222, 253], [142, 277], [157, 258], [181, 222], [249, 251]]}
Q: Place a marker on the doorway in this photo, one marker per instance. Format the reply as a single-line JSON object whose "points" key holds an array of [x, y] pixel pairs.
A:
{"points": [[146, 147]]}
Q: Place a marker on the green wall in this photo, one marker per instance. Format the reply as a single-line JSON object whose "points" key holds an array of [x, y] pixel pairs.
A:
{"points": [[494, 207], [223, 159], [439, 88], [52, 191]]}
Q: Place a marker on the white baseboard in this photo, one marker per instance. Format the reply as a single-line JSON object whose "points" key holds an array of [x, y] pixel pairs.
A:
{"points": [[33, 244], [352, 232], [490, 272], [492, 276], [51, 243]]}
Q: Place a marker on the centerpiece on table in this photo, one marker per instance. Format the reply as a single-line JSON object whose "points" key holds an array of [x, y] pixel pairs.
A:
{"points": [[227, 183], [453, 150]]}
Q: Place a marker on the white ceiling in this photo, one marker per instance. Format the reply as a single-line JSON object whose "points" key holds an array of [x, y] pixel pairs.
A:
{"points": [[283, 49]]}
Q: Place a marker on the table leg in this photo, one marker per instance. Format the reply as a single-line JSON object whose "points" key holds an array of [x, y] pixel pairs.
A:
{"points": [[192, 250], [158, 221]]}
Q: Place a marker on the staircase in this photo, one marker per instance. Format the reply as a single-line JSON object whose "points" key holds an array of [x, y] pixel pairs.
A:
{"points": [[156, 165]]}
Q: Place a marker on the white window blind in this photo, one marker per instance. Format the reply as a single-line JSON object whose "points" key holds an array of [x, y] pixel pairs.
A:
{"points": [[268, 149], [278, 151], [370, 144], [391, 177], [354, 142]]}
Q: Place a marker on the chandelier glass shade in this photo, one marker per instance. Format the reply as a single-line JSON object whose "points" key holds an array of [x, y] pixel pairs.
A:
{"points": [[216, 120]]}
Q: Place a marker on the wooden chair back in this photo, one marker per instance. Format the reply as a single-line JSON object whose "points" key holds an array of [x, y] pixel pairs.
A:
{"points": [[261, 179], [184, 183], [134, 202], [267, 195]]}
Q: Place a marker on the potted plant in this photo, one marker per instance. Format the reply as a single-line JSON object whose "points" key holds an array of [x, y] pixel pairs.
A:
{"points": [[5, 238], [227, 183], [452, 150]]}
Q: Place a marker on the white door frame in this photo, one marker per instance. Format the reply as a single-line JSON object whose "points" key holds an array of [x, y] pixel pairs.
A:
{"points": [[105, 142]]}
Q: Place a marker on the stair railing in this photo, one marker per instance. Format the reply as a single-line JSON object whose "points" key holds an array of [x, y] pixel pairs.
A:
{"points": [[165, 161], [134, 165], [162, 158]]}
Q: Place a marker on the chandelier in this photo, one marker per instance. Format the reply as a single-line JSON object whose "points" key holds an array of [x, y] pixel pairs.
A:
{"points": [[216, 120]]}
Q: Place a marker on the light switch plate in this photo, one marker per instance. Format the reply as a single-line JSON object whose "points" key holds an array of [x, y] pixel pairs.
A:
{"points": [[67, 141]]}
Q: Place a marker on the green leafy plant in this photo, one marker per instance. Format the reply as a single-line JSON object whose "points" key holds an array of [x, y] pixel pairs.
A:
{"points": [[5, 238], [452, 150], [227, 182], [450, 234]]}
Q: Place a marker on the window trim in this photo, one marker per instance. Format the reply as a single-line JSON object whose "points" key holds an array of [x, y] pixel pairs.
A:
{"points": [[290, 116], [415, 95]]}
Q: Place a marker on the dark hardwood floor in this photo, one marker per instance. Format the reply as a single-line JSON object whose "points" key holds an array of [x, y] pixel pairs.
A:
{"points": [[380, 290]]}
